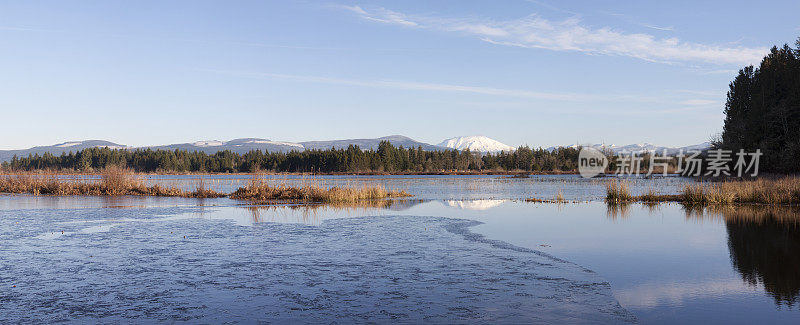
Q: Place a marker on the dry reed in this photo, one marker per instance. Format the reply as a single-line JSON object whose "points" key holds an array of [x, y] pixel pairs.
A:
{"points": [[311, 191], [782, 191], [114, 181], [618, 192]]}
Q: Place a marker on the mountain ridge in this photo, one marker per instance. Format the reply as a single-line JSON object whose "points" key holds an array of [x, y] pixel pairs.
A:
{"points": [[240, 145], [244, 145], [640, 147]]}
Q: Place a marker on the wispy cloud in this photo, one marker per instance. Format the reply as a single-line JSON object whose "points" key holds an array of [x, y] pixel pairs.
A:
{"points": [[570, 34], [440, 87], [386, 16], [664, 28]]}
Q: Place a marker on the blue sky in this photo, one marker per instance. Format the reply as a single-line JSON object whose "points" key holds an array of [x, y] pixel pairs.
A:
{"points": [[540, 73]]}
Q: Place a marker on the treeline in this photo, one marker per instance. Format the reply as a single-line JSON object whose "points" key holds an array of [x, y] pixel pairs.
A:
{"points": [[387, 159], [763, 111]]}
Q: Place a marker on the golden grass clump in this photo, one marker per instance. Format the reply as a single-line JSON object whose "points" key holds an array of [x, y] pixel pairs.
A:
{"points": [[116, 180], [618, 192], [259, 191], [706, 194], [202, 192], [782, 191], [560, 197], [651, 196]]}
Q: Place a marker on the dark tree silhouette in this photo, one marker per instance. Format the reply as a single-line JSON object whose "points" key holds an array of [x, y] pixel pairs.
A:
{"points": [[763, 110]]}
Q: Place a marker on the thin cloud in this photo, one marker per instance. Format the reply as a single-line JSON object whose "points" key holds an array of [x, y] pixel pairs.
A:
{"points": [[668, 28], [385, 16], [571, 35]]}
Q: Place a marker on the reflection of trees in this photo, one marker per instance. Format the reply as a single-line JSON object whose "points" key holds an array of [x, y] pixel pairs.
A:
{"points": [[764, 245]]}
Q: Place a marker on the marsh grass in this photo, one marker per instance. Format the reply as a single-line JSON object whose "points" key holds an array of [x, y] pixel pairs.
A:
{"points": [[618, 192], [559, 198], [781, 191], [201, 191], [113, 181], [312, 190]]}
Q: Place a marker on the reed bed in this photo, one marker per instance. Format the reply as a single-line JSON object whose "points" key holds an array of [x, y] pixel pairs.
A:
{"points": [[113, 181], [312, 191], [618, 192], [781, 191]]}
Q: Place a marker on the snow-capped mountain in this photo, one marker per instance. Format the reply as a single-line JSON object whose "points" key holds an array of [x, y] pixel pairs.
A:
{"points": [[57, 149], [236, 145], [642, 147], [476, 143]]}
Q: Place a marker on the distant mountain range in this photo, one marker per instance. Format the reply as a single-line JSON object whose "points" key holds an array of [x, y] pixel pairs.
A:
{"points": [[57, 149], [643, 147], [237, 145], [473, 143]]}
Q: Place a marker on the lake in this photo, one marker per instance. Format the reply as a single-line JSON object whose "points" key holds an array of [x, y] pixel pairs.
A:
{"points": [[463, 249]]}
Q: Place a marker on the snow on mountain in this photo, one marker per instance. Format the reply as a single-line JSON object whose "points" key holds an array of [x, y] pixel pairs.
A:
{"points": [[256, 142], [57, 149], [477, 143], [208, 143], [68, 144]]}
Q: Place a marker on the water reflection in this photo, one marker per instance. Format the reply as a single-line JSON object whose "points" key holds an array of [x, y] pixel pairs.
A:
{"points": [[618, 211], [665, 262], [474, 204], [764, 242], [764, 245]]}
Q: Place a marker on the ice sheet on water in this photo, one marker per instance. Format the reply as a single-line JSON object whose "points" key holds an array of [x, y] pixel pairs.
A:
{"points": [[367, 269]]}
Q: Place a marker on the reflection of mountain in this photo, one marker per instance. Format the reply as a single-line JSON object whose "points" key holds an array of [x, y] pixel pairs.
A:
{"points": [[767, 251], [400, 205], [474, 204]]}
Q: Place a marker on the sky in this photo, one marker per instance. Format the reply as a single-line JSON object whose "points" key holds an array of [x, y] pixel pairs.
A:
{"points": [[538, 73]]}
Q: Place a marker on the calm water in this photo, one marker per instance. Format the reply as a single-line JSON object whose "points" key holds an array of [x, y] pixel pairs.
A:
{"points": [[466, 249]]}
